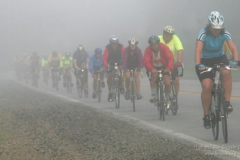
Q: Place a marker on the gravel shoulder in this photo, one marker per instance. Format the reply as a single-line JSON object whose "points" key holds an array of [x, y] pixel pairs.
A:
{"points": [[35, 125]]}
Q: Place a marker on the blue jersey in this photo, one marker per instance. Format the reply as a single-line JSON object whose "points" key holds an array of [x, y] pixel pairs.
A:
{"points": [[80, 58], [213, 45]]}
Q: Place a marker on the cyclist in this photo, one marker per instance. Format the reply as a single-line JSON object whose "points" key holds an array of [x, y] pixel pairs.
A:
{"points": [[54, 62], [66, 64], [35, 63], [96, 64], [158, 56], [44, 64], [132, 59], [208, 51], [80, 57], [173, 42], [113, 54]]}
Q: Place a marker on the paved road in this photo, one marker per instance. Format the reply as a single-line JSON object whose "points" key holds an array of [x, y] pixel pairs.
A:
{"points": [[186, 125]]}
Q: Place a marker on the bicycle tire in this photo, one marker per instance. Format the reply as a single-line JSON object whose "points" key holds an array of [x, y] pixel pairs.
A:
{"points": [[214, 113], [99, 90], [174, 100], [133, 95], [162, 101], [223, 116], [116, 93]]}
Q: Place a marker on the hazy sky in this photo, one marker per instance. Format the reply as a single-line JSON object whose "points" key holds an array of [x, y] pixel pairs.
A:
{"points": [[46, 25]]}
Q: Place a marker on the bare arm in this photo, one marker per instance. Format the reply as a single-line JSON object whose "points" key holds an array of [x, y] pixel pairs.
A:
{"points": [[233, 49], [75, 63], [198, 52], [179, 56]]}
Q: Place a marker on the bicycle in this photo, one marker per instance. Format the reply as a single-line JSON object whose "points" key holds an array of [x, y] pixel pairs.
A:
{"points": [[68, 80], [160, 94], [132, 88], [55, 71], [82, 85], [34, 77], [174, 98], [115, 89], [218, 110], [99, 85]]}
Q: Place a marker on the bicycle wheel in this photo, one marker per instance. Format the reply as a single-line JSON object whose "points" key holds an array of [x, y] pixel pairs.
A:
{"points": [[116, 93], [223, 116], [133, 95], [161, 102], [174, 101], [99, 91], [214, 113]]}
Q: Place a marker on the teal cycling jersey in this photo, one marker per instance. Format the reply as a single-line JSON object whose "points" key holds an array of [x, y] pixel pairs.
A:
{"points": [[213, 45]]}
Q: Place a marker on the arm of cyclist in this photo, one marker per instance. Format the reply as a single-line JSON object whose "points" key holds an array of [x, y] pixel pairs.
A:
{"points": [[234, 51], [168, 58], [105, 57], [147, 61], [198, 52]]}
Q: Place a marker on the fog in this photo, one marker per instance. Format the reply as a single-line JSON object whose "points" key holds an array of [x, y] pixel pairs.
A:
{"points": [[46, 25]]}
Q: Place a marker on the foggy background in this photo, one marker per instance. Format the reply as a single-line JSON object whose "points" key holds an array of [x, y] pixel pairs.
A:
{"points": [[47, 25]]}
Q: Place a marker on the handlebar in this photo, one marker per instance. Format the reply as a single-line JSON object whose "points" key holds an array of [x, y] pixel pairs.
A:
{"points": [[217, 66]]}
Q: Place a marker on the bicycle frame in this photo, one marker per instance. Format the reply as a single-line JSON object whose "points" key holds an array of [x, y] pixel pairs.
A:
{"points": [[132, 87], [83, 86], [218, 110], [160, 95], [115, 89], [99, 86]]}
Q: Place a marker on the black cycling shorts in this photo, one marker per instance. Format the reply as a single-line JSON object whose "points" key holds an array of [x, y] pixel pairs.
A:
{"points": [[210, 62]]}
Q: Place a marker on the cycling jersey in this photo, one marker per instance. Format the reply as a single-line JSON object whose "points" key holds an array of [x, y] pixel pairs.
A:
{"points": [[95, 63], [132, 59], [54, 61], [174, 45], [44, 62], [165, 54], [213, 45], [80, 58], [111, 55], [66, 62]]}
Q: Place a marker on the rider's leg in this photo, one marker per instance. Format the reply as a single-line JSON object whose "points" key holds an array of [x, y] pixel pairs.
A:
{"points": [[206, 95], [109, 82], [137, 81], [227, 83], [153, 83], [167, 83], [127, 80], [95, 82]]}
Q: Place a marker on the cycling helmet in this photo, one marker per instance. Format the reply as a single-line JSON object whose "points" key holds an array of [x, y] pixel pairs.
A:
{"points": [[169, 30], [67, 54], [216, 20], [132, 41], [153, 39], [98, 50], [113, 39]]}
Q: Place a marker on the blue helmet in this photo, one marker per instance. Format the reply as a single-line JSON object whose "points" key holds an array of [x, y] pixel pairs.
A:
{"points": [[98, 50]]}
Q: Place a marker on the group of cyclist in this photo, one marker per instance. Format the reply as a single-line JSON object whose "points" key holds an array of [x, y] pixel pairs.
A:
{"points": [[164, 52]]}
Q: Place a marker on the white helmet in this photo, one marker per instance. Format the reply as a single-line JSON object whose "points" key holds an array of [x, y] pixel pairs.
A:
{"points": [[132, 41], [216, 20], [113, 39], [169, 30]]}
